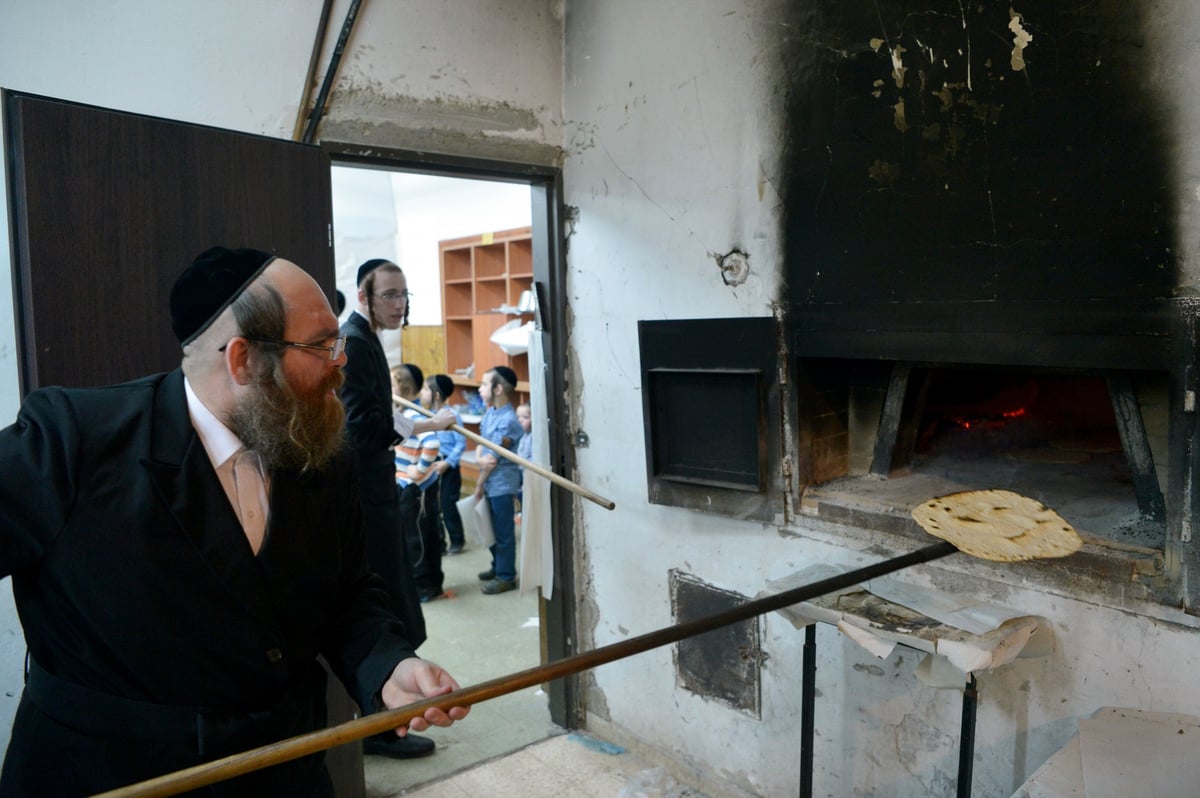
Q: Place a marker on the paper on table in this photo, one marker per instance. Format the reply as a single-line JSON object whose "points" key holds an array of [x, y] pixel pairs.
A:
{"points": [[801, 615], [1128, 752], [996, 635], [937, 671], [960, 612], [871, 642]]}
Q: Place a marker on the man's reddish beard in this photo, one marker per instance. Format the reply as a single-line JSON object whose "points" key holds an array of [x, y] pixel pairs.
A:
{"points": [[289, 429]]}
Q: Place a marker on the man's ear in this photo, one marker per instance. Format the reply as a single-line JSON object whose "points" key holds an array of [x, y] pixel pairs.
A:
{"points": [[237, 360], [362, 296]]}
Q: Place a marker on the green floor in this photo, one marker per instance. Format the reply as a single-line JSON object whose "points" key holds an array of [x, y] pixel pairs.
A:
{"points": [[476, 638]]}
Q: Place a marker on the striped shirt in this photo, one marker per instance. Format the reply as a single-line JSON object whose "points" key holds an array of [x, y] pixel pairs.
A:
{"points": [[415, 456]]}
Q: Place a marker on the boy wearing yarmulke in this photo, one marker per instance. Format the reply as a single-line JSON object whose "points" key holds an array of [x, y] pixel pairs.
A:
{"points": [[499, 478]]}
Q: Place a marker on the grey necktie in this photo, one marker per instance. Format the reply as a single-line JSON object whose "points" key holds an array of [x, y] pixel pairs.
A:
{"points": [[249, 488]]}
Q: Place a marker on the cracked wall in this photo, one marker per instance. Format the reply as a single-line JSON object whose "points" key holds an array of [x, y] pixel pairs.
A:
{"points": [[435, 78]]}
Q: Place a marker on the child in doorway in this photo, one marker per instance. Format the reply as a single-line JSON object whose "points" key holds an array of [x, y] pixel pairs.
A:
{"points": [[417, 470], [525, 419], [434, 396], [499, 478]]}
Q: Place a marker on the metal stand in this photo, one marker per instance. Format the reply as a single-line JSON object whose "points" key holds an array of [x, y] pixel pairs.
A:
{"points": [[966, 738], [808, 704]]}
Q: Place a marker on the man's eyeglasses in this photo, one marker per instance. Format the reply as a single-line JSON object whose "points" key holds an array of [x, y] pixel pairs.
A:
{"points": [[335, 351], [395, 296]]}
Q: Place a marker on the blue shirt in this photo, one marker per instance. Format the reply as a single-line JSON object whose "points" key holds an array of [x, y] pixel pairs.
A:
{"points": [[525, 449], [453, 443], [500, 423]]}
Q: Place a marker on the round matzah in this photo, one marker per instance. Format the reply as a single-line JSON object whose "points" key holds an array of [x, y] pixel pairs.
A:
{"points": [[998, 525]]}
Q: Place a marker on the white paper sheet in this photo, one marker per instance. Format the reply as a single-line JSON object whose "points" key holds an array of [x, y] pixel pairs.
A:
{"points": [[537, 543], [477, 520], [1131, 752], [971, 635]]}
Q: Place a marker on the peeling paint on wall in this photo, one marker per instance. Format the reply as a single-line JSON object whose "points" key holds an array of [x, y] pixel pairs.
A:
{"points": [[1021, 39], [898, 116]]}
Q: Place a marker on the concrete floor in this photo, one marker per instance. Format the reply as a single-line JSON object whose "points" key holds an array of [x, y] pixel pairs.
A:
{"points": [[507, 746], [476, 638], [573, 765]]}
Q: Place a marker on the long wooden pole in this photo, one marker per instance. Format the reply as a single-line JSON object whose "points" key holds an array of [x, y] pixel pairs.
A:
{"points": [[305, 744], [516, 458]]}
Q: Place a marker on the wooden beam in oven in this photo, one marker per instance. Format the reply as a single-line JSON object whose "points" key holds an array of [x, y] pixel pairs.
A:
{"points": [[1137, 447]]}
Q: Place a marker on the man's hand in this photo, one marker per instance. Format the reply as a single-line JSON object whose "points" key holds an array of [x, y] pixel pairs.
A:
{"points": [[441, 420], [415, 679]]}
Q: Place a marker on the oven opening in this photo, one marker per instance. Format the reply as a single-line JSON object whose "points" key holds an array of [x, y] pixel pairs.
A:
{"points": [[1092, 446]]}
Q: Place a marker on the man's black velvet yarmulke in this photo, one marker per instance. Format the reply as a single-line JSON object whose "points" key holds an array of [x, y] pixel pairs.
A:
{"points": [[216, 277], [368, 267]]}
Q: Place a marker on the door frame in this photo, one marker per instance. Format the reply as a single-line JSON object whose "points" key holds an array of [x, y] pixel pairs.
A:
{"points": [[549, 274]]}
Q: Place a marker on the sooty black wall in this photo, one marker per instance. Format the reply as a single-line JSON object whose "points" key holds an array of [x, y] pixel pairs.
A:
{"points": [[975, 151]]}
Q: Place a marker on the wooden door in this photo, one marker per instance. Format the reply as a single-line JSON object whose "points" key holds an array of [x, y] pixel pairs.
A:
{"points": [[108, 208]]}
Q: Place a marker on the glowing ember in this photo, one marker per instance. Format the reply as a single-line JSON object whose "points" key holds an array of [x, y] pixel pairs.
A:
{"points": [[988, 422]]}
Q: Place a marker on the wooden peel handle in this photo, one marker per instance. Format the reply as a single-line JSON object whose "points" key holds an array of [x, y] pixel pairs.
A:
{"points": [[305, 744], [561, 481]]}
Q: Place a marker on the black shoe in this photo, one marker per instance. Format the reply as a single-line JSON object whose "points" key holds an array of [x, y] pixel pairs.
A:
{"points": [[495, 586], [488, 575], [427, 596], [410, 746], [455, 548]]}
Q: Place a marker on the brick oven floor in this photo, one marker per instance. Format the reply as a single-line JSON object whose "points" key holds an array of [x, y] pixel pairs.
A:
{"points": [[1094, 496]]}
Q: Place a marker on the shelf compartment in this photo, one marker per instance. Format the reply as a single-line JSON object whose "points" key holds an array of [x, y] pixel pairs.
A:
{"points": [[520, 258], [458, 299], [456, 264], [520, 365], [459, 350], [489, 261], [489, 295], [516, 286]]}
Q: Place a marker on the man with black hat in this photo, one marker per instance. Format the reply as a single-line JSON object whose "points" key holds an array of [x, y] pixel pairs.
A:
{"points": [[373, 428], [182, 549]]}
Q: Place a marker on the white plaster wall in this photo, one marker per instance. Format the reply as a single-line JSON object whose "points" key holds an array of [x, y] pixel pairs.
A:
{"points": [[672, 115], [673, 125], [241, 65]]}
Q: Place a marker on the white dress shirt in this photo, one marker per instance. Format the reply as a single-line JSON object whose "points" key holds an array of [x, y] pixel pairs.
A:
{"points": [[239, 469]]}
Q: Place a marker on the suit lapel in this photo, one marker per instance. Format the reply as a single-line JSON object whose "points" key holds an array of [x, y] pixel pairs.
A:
{"points": [[186, 482]]}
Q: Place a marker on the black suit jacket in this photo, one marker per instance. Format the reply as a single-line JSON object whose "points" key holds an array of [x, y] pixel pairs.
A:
{"points": [[134, 581], [367, 395]]}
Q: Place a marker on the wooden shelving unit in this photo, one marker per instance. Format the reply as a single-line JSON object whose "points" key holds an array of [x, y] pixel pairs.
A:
{"points": [[482, 275]]}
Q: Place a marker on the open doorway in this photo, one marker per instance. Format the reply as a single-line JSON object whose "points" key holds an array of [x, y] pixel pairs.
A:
{"points": [[465, 246]]}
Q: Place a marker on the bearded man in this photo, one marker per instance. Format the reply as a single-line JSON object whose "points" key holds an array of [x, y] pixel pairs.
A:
{"points": [[184, 546]]}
